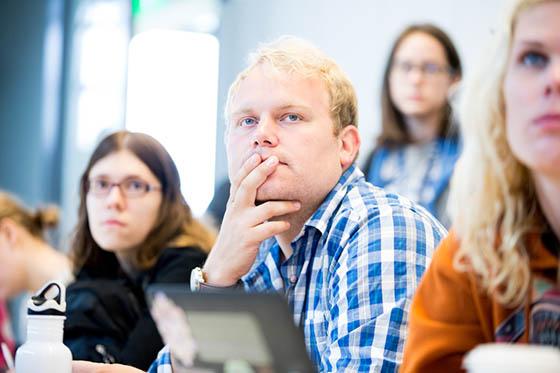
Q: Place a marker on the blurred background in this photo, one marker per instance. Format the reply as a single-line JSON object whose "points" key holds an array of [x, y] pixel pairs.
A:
{"points": [[73, 70]]}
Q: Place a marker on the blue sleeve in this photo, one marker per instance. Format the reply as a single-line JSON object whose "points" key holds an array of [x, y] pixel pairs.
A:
{"points": [[162, 363]]}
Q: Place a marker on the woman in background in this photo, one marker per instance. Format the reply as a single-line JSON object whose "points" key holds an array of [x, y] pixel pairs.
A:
{"points": [[27, 261], [495, 278], [134, 225], [418, 145]]}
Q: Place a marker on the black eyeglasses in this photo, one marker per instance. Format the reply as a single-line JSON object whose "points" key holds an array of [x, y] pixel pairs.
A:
{"points": [[132, 188]]}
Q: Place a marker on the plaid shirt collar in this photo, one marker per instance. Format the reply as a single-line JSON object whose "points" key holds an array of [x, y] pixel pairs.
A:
{"points": [[321, 217], [319, 221]]}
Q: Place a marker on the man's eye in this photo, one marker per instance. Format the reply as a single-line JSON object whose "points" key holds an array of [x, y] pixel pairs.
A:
{"points": [[247, 122], [534, 59], [292, 118]]}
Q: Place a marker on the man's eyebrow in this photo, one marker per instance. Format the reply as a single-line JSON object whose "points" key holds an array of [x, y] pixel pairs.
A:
{"points": [[247, 110], [530, 43], [293, 106], [243, 111]]}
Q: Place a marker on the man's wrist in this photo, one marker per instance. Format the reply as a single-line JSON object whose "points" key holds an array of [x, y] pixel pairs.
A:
{"points": [[202, 280], [218, 277]]}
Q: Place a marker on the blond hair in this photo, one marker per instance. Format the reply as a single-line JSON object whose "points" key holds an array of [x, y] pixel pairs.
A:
{"points": [[35, 222], [295, 56], [502, 205]]}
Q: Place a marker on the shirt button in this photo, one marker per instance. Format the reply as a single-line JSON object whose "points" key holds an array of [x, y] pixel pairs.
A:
{"points": [[293, 279]]}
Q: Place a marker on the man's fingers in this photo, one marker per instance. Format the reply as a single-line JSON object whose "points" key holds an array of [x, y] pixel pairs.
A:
{"points": [[268, 229], [247, 190], [248, 166], [271, 209]]}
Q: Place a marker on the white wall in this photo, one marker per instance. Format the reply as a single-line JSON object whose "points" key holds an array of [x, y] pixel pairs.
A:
{"points": [[356, 33]]}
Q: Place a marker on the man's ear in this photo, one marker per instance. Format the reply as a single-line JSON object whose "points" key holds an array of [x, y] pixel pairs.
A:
{"points": [[9, 231], [349, 140]]}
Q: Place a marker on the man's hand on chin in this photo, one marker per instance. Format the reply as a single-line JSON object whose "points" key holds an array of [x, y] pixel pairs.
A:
{"points": [[246, 224]]}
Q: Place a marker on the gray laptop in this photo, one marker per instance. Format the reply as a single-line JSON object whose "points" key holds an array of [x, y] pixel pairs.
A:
{"points": [[241, 332]]}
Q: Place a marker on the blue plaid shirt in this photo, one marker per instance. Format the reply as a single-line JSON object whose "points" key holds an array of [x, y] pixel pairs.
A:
{"points": [[354, 268]]}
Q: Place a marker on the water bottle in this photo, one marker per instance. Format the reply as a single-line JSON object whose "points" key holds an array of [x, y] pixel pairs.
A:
{"points": [[43, 350]]}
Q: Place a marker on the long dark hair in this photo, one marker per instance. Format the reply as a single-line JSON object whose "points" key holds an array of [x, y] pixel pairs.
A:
{"points": [[174, 221], [393, 126]]}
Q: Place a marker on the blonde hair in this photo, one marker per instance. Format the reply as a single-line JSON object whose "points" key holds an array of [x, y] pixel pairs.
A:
{"points": [[502, 205], [35, 222], [295, 56]]}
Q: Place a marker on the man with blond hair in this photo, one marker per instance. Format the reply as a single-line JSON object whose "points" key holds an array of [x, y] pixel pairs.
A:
{"points": [[301, 220]]}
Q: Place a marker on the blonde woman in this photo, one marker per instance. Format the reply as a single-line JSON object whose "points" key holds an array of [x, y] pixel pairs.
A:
{"points": [[495, 277], [27, 261]]}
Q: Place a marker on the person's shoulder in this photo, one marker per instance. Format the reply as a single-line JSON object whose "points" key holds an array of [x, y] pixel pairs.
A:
{"points": [[447, 249], [455, 287], [174, 264], [442, 268], [182, 251], [376, 221], [173, 255], [96, 273], [106, 266], [365, 202]]}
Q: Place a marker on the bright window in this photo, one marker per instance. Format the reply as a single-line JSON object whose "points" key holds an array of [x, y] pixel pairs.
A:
{"points": [[101, 39], [172, 96]]}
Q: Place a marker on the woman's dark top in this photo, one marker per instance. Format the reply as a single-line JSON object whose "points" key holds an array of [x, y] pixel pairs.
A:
{"points": [[174, 265]]}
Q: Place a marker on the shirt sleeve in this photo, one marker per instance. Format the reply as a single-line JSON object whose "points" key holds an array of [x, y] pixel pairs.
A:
{"points": [[371, 288], [162, 363]]}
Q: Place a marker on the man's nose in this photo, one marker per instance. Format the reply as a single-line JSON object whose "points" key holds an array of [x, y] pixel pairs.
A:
{"points": [[266, 132]]}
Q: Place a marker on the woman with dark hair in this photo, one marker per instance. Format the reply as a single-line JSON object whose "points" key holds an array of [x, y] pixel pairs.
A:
{"points": [[135, 226], [418, 145]]}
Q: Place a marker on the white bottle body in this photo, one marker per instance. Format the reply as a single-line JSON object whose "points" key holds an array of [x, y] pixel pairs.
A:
{"points": [[44, 351]]}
